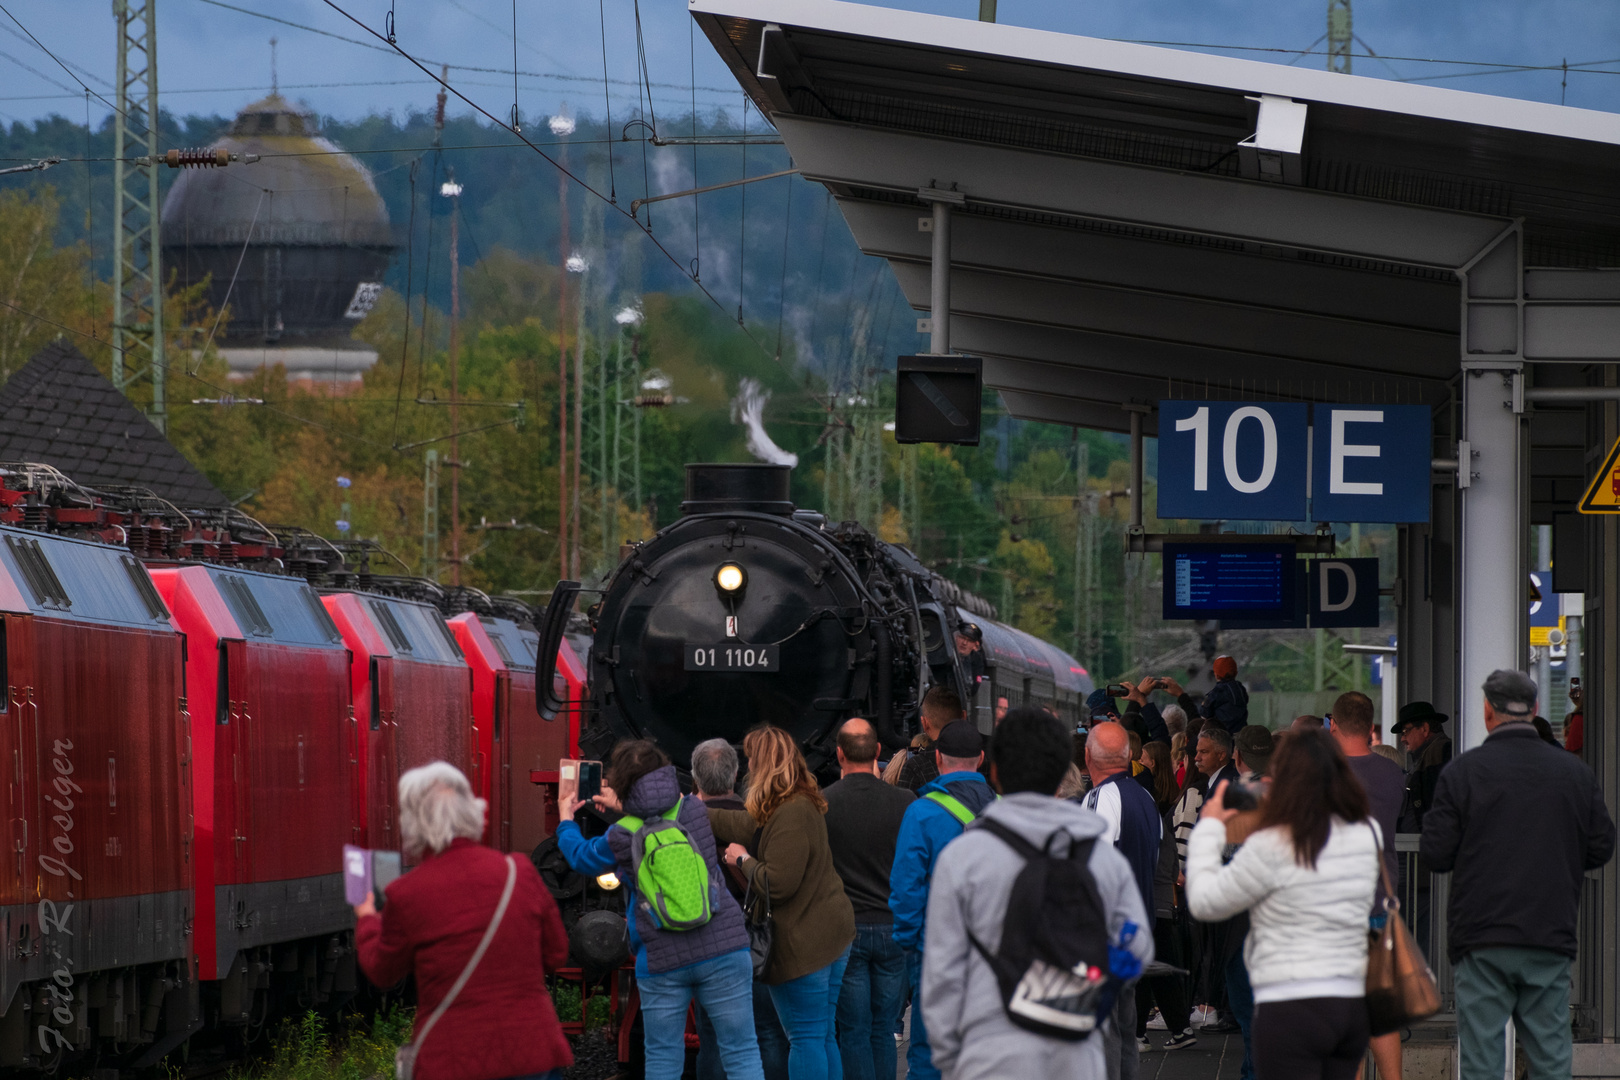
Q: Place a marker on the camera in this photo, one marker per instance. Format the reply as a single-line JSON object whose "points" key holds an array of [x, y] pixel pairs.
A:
{"points": [[1242, 795], [1117, 690]]}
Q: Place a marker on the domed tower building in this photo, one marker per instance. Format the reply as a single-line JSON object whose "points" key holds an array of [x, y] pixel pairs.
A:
{"points": [[312, 238]]}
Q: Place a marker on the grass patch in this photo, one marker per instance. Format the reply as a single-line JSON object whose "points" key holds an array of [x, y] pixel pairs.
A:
{"points": [[312, 1048]]}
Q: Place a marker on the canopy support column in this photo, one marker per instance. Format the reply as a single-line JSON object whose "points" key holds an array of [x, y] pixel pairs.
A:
{"points": [[1493, 611]]}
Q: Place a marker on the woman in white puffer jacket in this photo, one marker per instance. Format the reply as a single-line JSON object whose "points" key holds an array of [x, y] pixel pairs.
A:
{"points": [[1307, 877]]}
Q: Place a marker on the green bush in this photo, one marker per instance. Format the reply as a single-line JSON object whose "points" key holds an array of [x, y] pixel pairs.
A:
{"points": [[309, 1049]]}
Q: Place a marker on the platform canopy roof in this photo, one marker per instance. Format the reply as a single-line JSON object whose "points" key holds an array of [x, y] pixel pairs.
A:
{"points": [[1116, 244]]}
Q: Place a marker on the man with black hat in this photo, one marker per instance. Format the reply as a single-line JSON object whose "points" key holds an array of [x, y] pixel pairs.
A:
{"points": [[1418, 728], [944, 807]]}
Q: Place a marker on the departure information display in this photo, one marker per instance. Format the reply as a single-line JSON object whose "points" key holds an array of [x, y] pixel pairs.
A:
{"points": [[1229, 581]]}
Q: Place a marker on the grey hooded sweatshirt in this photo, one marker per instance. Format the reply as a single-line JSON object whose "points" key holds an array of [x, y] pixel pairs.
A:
{"points": [[968, 1030]]}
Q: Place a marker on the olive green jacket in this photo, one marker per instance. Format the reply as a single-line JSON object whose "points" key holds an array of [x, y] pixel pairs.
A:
{"points": [[814, 920]]}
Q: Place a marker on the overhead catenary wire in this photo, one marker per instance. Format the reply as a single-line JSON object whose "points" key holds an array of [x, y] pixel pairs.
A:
{"points": [[64, 67], [550, 160], [391, 47], [613, 187]]}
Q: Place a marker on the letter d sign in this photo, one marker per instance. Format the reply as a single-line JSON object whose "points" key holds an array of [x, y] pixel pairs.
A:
{"points": [[1344, 592]]}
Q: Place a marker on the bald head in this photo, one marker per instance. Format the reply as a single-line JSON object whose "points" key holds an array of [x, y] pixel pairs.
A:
{"points": [[857, 747], [1108, 751]]}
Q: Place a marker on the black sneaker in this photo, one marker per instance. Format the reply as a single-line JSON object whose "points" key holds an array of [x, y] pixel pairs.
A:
{"points": [[1224, 1026], [1182, 1040]]}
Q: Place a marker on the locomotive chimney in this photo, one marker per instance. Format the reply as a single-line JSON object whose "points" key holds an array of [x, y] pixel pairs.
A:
{"points": [[717, 489]]}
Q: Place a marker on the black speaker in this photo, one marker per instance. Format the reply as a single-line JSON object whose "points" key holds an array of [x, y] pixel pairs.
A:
{"points": [[936, 399]]}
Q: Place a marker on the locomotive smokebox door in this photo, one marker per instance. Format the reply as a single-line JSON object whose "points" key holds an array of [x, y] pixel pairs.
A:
{"points": [[937, 399]]}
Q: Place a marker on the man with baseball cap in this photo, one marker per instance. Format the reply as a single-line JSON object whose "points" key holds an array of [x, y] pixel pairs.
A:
{"points": [[1418, 728], [944, 807], [1518, 824]]}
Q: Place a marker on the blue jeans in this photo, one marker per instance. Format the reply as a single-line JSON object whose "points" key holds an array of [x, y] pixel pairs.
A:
{"points": [[806, 1006], [870, 1003], [919, 1061], [723, 988], [773, 1044], [1240, 995]]}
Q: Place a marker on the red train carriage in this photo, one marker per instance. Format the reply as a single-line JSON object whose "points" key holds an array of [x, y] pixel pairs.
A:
{"points": [[513, 741], [273, 741], [96, 897], [412, 692]]}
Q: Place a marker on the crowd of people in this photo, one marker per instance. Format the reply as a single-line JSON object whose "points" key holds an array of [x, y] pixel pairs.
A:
{"points": [[1032, 901]]}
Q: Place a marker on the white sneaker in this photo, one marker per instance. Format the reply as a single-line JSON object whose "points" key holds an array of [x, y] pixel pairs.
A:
{"points": [[1156, 1021], [1203, 1014], [1142, 1044]]}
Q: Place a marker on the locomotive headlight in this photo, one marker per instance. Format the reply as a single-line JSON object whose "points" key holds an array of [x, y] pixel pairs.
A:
{"points": [[730, 578], [608, 881]]}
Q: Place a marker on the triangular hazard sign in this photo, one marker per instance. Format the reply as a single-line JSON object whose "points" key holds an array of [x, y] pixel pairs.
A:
{"points": [[1603, 497]]}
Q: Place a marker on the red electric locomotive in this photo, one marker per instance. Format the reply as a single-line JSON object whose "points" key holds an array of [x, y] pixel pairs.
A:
{"points": [[179, 865], [97, 902], [273, 739], [412, 702], [501, 644]]}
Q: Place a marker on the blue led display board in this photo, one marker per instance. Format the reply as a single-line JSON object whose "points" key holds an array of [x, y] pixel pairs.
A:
{"points": [[1230, 581], [1238, 460]]}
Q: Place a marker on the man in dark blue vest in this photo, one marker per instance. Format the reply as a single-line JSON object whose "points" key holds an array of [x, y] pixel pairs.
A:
{"points": [[1133, 825]]}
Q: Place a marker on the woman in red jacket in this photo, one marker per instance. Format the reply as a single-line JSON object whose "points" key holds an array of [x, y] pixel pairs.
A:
{"points": [[502, 1023]]}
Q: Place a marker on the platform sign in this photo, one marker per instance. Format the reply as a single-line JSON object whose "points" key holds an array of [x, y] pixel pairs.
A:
{"points": [[1344, 592], [1545, 613], [1603, 497], [1232, 459], [1370, 463]]}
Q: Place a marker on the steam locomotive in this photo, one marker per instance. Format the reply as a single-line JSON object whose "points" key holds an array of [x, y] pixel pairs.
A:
{"points": [[750, 610]]}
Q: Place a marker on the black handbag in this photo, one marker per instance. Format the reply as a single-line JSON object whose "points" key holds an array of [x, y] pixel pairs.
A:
{"points": [[756, 908]]}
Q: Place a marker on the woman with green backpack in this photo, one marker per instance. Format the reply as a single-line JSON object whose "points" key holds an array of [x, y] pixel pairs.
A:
{"points": [[685, 929], [814, 923]]}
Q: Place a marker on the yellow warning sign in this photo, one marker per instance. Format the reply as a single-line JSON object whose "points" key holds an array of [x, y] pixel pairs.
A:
{"points": [[1603, 497]]}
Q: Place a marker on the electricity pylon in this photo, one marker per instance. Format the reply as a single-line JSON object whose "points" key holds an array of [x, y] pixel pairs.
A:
{"points": [[137, 269], [1339, 36]]}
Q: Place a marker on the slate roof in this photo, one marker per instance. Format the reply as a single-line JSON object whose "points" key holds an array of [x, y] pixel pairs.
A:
{"points": [[59, 410]]}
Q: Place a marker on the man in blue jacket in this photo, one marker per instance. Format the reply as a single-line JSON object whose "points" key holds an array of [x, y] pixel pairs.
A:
{"points": [[944, 807]]}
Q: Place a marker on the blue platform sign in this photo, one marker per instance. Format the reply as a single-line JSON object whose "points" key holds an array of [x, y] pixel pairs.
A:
{"points": [[1242, 460], [1344, 592], [1370, 463]]}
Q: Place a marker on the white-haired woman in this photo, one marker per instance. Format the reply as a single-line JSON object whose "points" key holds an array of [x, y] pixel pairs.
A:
{"points": [[501, 1024]]}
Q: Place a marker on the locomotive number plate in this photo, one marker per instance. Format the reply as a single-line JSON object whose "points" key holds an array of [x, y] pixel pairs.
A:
{"points": [[733, 658]]}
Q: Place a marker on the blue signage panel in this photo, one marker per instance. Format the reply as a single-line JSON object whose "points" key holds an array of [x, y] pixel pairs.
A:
{"points": [[1344, 592], [1370, 463], [1232, 459], [1229, 581]]}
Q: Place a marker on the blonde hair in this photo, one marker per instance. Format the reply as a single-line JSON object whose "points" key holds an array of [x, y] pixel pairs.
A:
{"points": [[891, 771], [436, 806], [776, 773], [1178, 748]]}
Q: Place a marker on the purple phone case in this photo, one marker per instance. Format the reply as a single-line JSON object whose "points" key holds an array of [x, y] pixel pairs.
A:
{"points": [[356, 873]]}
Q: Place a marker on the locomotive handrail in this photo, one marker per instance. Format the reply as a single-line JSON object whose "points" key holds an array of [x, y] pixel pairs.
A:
{"points": [[553, 624]]}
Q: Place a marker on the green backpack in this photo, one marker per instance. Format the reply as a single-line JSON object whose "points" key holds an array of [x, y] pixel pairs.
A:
{"points": [[671, 874]]}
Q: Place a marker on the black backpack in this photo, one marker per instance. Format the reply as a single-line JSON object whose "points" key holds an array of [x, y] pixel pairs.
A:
{"points": [[1053, 961]]}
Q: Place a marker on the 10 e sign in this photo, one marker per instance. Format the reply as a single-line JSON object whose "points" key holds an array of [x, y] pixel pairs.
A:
{"points": [[1289, 461]]}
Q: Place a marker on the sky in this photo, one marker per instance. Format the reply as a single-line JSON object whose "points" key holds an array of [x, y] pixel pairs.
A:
{"points": [[213, 59]]}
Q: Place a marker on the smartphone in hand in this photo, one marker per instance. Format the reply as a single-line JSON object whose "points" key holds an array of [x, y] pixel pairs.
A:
{"points": [[590, 780], [577, 779], [368, 872]]}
